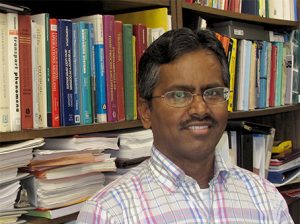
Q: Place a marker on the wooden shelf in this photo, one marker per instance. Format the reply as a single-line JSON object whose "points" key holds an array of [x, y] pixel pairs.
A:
{"points": [[214, 15], [65, 131], [263, 112], [84, 129]]}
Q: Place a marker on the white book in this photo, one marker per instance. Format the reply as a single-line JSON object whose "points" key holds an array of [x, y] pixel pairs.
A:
{"points": [[42, 21], [4, 89], [12, 55], [35, 82]]}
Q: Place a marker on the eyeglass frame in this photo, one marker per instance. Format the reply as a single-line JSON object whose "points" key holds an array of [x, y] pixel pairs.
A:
{"points": [[225, 91]]}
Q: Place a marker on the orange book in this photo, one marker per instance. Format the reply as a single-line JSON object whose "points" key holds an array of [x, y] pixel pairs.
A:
{"points": [[119, 70], [54, 73]]}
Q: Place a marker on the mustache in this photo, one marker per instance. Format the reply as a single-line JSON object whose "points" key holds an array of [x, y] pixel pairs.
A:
{"points": [[196, 118]]}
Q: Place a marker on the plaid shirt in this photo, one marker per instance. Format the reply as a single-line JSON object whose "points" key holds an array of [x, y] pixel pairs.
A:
{"points": [[158, 192]]}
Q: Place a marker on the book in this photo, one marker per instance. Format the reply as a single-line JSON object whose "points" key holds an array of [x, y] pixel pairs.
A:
{"points": [[119, 69], [25, 65], [250, 7], [65, 72], [76, 75], [13, 72], [152, 18], [35, 83], [43, 60], [109, 61], [54, 74], [84, 74], [97, 22], [128, 71], [4, 88], [93, 71]]}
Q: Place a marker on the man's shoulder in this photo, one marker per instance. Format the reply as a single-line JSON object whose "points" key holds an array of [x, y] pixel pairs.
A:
{"points": [[248, 177]]}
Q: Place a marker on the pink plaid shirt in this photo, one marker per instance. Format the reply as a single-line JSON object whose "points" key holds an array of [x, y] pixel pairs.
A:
{"points": [[159, 192]]}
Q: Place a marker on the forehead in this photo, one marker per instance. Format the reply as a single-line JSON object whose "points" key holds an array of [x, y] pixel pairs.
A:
{"points": [[198, 69]]}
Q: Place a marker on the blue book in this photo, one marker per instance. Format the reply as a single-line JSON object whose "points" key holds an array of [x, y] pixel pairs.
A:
{"points": [[76, 76], [282, 176], [84, 73], [93, 72], [65, 72], [279, 71], [263, 75]]}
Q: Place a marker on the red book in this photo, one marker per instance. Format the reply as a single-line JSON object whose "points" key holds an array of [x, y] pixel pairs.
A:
{"points": [[25, 66], [54, 73], [140, 33], [119, 69], [109, 65], [273, 71]]}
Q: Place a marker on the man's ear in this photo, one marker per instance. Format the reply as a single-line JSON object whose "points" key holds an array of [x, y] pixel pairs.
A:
{"points": [[144, 112]]}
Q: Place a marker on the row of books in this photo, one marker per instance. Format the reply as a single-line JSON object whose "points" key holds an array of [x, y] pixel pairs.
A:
{"points": [[276, 9], [59, 72], [262, 73]]}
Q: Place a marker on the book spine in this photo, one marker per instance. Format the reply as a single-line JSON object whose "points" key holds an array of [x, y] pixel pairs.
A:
{"points": [[35, 86], [232, 66], [128, 71], [25, 71], [108, 31], [4, 88], [85, 74], [119, 69], [76, 77], [100, 70], [140, 33], [273, 76], [42, 21], [54, 73], [13, 71], [65, 72], [93, 72]]}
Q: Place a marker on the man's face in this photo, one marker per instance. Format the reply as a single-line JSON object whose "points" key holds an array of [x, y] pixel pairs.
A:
{"points": [[189, 133]]}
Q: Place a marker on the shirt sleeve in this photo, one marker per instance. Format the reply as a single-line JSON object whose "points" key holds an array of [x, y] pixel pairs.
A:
{"points": [[93, 213]]}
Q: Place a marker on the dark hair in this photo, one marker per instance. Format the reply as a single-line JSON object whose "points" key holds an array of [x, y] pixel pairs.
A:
{"points": [[172, 45]]}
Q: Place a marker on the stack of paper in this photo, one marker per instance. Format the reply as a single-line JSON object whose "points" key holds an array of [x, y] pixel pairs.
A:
{"points": [[13, 156], [284, 169], [135, 144], [67, 171]]}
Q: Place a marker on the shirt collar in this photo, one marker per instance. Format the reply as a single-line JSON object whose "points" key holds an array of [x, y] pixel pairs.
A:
{"points": [[170, 175]]}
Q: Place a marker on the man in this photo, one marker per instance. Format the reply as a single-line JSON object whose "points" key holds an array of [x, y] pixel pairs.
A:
{"points": [[183, 89]]}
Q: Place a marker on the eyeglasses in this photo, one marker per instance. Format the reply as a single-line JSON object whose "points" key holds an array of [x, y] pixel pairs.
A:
{"points": [[179, 98]]}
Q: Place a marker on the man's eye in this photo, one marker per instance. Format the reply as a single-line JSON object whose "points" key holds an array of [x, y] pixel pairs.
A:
{"points": [[179, 94]]}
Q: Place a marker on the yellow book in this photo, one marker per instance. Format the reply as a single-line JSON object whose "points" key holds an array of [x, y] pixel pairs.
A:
{"points": [[152, 18], [232, 65]]}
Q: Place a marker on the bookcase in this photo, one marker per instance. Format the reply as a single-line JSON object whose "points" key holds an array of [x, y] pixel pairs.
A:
{"points": [[286, 119]]}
